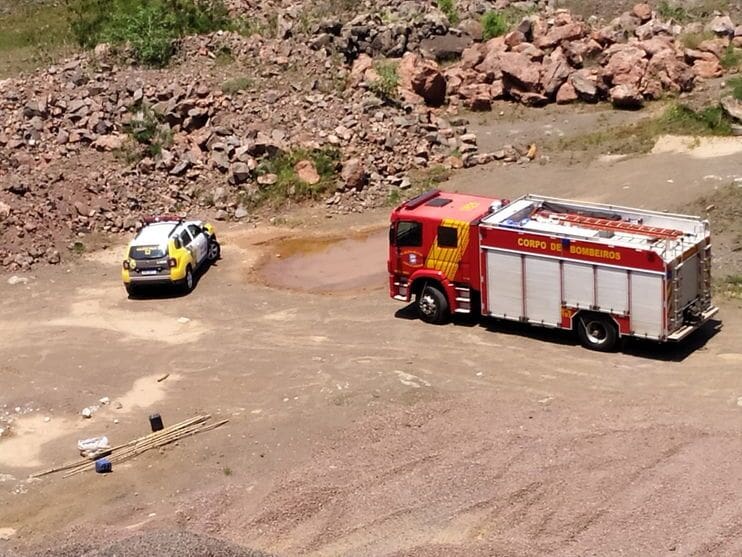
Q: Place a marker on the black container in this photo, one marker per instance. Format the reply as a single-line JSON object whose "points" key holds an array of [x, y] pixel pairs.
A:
{"points": [[155, 422]]}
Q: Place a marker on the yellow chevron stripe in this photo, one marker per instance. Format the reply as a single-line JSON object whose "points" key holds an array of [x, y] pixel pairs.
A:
{"points": [[445, 259]]}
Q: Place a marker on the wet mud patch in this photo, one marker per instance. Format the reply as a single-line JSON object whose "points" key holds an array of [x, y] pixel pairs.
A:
{"points": [[326, 264]]}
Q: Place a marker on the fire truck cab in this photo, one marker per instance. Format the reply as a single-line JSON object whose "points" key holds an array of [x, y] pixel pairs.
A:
{"points": [[606, 272]]}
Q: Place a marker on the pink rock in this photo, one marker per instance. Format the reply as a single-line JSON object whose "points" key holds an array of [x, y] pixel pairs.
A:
{"points": [[707, 69], [518, 68], [556, 35], [566, 94], [642, 11]]}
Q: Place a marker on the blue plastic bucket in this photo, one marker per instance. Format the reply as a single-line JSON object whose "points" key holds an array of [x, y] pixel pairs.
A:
{"points": [[102, 465]]}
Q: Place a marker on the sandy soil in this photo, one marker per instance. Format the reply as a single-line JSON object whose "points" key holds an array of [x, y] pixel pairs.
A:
{"points": [[356, 429]]}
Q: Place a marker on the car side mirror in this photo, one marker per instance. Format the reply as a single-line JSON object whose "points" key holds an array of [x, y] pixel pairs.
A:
{"points": [[177, 243]]}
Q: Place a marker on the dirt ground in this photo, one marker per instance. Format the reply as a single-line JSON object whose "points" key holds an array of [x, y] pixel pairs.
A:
{"points": [[356, 429]]}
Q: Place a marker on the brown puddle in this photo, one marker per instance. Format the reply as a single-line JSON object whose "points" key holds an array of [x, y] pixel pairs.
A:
{"points": [[327, 265]]}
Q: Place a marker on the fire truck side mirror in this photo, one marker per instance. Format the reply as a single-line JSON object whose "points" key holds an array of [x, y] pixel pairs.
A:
{"points": [[392, 235]]}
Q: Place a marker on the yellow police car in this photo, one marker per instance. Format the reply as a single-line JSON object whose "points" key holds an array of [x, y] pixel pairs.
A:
{"points": [[169, 250]]}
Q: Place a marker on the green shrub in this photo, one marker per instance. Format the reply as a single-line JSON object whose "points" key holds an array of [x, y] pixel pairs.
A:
{"points": [[731, 59], [448, 7], [681, 119], [494, 24], [288, 185], [735, 84], [147, 131], [150, 27], [386, 86]]}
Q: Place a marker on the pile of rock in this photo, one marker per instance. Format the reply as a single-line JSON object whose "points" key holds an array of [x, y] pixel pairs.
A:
{"points": [[67, 132], [562, 59]]}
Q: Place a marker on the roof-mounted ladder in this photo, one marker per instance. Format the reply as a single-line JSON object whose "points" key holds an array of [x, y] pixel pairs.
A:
{"points": [[616, 226]]}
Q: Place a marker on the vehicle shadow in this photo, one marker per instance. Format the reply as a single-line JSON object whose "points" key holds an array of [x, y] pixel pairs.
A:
{"points": [[667, 351], [170, 291]]}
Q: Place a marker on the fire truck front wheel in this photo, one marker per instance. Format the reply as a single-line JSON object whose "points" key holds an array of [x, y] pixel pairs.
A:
{"points": [[597, 332], [432, 305]]}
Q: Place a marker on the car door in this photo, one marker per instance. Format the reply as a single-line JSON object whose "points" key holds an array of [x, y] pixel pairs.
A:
{"points": [[186, 240], [200, 241]]}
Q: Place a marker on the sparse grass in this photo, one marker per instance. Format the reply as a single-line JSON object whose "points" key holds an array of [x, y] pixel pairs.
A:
{"points": [[668, 10], [449, 8], [430, 177], [237, 84], [422, 180], [694, 40], [32, 35], [735, 85], [731, 286], [494, 24], [386, 86], [677, 119], [227, 471], [288, 185], [731, 59]]}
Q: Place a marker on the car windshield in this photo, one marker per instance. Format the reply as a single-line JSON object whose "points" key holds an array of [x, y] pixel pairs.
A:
{"points": [[147, 252]]}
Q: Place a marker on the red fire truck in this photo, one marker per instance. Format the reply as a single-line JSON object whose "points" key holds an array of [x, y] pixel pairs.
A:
{"points": [[607, 272]]}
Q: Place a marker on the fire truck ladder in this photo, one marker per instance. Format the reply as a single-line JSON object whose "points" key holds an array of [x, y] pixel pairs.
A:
{"points": [[704, 269], [618, 226]]}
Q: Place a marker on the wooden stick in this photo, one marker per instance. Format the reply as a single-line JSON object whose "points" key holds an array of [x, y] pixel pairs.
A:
{"points": [[148, 444], [151, 437]]}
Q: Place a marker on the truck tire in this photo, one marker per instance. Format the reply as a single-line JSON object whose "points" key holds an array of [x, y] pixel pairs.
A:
{"points": [[597, 332], [131, 290], [432, 305]]}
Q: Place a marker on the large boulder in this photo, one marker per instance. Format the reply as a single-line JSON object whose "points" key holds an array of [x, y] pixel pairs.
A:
{"points": [[733, 108], [674, 74], [353, 174], [556, 70], [585, 85], [566, 94], [360, 66], [722, 25], [626, 66], [520, 72], [423, 77], [556, 35], [626, 96]]}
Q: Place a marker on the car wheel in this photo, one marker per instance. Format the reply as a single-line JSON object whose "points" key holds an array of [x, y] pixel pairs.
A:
{"points": [[432, 305], [215, 251], [597, 332], [188, 281], [131, 290]]}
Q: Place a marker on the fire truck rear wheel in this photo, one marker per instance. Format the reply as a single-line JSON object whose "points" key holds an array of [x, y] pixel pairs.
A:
{"points": [[432, 305], [597, 332]]}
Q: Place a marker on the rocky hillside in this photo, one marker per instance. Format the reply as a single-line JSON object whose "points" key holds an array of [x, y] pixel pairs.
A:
{"points": [[338, 109]]}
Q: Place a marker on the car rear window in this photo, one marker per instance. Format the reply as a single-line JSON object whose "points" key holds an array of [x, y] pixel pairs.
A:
{"points": [[146, 252]]}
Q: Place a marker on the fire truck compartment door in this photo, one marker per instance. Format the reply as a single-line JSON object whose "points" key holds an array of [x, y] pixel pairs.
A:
{"points": [[543, 290], [504, 284], [613, 290], [647, 304], [579, 285]]}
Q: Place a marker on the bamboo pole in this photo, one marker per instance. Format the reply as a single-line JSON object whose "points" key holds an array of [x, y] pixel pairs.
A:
{"points": [[137, 446]]}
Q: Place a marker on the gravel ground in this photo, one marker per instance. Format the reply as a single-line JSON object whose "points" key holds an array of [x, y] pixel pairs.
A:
{"points": [[163, 543]]}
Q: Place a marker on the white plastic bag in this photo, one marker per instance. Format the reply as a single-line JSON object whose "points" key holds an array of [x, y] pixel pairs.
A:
{"points": [[93, 446]]}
